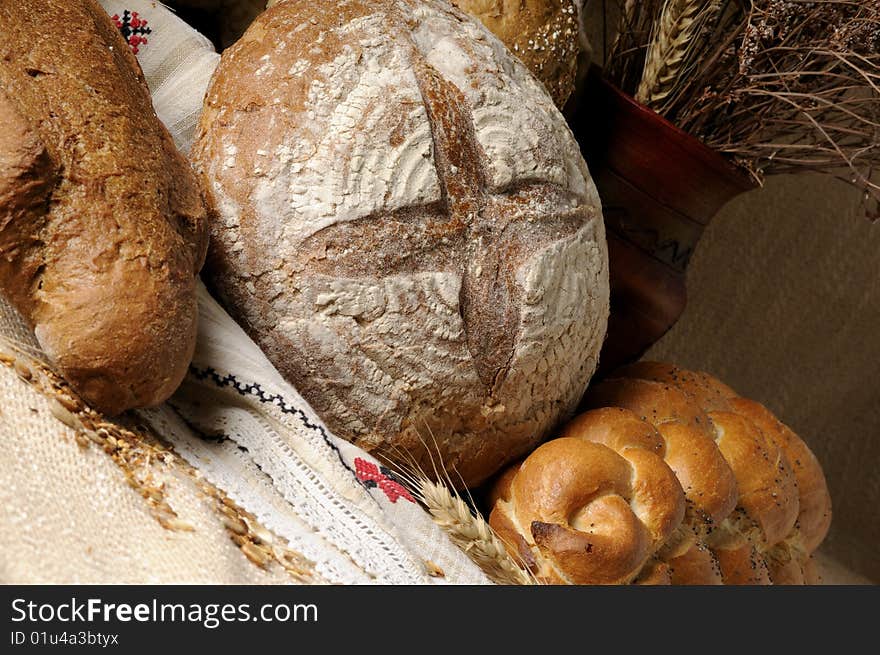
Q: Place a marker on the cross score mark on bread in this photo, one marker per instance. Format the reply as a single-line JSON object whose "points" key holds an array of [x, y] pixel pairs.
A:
{"points": [[467, 228], [406, 227]]}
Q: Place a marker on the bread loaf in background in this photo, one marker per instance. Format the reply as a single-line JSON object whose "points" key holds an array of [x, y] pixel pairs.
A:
{"points": [[102, 224], [671, 478], [544, 34], [407, 228]]}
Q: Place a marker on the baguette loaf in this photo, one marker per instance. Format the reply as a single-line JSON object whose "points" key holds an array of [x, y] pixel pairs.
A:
{"points": [[407, 229], [102, 224]]}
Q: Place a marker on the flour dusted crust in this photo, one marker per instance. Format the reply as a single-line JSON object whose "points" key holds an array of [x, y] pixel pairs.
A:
{"points": [[543, 34], [407, 227]]}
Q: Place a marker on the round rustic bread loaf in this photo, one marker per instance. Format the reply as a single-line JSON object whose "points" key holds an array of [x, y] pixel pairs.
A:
{"points": [[407, 227], [744, 512]]}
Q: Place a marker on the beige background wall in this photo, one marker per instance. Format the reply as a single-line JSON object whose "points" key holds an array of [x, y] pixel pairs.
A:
{"points": [[784, 305]]}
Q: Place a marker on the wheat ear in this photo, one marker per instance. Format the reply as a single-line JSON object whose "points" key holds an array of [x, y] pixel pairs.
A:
{"points": [[471, 533], [669, 47], [624, 23], [466, 528]]}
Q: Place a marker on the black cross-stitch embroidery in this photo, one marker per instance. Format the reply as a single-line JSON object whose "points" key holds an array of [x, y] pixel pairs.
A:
{"points": [[255, 390], [134, 29]]}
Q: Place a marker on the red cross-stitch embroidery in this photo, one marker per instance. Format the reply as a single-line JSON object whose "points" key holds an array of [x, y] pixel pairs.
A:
{"points": [[133, 28], [372, 476]]}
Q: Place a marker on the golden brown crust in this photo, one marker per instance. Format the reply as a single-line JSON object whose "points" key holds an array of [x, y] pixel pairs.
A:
{"points": [[767, 488], [654, 402], [655, 573], [790, 572], [814, 506], [542, 33], [708, 392], [766, 495], [697, 566], [690, 448], [104, 231], [742, 566], [589, 515], [501, 521], [658, 496], [707, 479], [616, 428], [748, 520], [811, 571], [500, 489]]}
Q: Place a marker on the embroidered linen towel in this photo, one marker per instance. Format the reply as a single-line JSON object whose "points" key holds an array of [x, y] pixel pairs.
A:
{"points": [[177, 62]]}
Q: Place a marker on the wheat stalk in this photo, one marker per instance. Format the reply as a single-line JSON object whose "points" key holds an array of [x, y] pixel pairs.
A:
{"points": [[777, 87], [668, 50], [465, 527], [471, 533], [625, 25]]}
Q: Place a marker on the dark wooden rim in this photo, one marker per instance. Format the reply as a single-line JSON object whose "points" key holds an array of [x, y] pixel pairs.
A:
{"points": [[696, 148]]}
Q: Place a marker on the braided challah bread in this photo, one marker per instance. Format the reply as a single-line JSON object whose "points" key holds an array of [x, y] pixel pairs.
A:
{"points": [[615, 500], [671, 478]]}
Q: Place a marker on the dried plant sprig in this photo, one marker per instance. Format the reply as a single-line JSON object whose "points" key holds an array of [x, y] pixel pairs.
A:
{"points": [[780, 86], [669, 47], [460, 520], [471, 533], [625, 61]]}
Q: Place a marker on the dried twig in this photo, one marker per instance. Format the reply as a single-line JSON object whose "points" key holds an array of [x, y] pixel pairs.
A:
{"points": [[669, 47], [778, 86]]}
